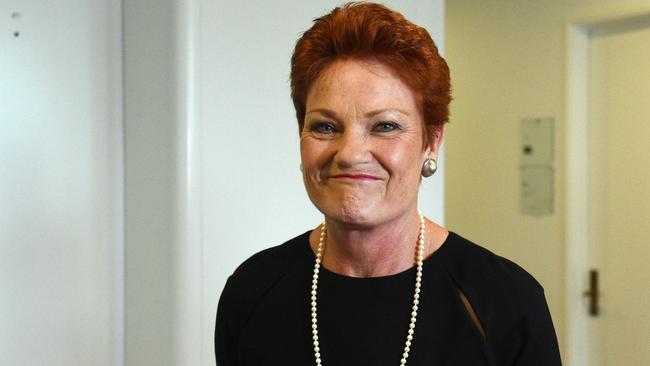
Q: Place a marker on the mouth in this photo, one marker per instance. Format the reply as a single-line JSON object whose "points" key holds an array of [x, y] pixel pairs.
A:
{"points": [[355, 177]]}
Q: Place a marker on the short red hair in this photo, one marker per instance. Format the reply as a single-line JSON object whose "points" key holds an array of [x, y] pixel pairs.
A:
{"points": [[373, 31]]}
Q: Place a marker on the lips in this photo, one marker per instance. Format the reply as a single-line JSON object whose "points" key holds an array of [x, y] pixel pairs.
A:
{"points": [[355, 176]]}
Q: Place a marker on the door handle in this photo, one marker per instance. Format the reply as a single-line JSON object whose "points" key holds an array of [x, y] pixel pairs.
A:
{"points": [[593, 293]]}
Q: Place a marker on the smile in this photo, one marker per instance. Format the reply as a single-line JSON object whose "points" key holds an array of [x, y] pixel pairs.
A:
{"points": [[355, 177]]}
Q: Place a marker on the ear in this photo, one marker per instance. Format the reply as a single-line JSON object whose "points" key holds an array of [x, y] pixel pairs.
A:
{"points": [[438, 135]]}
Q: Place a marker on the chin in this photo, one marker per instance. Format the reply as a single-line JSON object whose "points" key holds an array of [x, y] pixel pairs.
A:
{"points": [[350, 209], [352, 214], [352, 217]]}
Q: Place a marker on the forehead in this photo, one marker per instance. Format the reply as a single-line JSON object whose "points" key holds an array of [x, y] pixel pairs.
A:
{"points": [[360, 84]]}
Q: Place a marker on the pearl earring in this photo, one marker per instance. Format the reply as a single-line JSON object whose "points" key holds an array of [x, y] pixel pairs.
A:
{"points": [[429, 167]]}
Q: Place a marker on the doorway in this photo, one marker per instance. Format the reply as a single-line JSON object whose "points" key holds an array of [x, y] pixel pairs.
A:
{"points": [[608, 202]]}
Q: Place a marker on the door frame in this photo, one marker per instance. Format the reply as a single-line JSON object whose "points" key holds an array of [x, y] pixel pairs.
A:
{"points": [[578, 37]]}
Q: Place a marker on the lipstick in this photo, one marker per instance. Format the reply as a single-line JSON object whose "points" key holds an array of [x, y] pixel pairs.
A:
{"points": [[355, 176]]}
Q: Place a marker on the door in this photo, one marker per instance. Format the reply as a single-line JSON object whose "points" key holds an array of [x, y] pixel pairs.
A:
{"points": [[619, 192]]}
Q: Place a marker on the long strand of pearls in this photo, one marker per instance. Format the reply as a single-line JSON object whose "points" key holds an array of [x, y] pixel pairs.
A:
{"points": [[416, 294]]}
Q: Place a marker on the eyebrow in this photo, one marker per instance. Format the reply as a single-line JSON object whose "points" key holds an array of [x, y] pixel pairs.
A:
{"points": [[331, 114]]}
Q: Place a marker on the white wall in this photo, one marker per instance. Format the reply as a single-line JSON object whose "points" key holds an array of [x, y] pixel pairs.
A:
{"points": [[253, 196], [205, 99], [507, 59], [152, 126], [61, 189]]}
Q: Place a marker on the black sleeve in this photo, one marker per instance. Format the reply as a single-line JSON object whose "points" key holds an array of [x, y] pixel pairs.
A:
{"points": [[538, 343], [225, 333], [509, 302]]}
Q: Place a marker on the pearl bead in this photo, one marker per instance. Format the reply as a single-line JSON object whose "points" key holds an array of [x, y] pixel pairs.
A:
{"points": [[416, 294]]}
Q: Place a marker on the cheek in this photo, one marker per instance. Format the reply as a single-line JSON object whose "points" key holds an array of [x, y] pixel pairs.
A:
{"points": [[306, 154], [403, 162], [313, 155]]}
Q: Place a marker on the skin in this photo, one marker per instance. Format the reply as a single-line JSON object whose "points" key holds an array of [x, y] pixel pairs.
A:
{"points": [[362, 153]]}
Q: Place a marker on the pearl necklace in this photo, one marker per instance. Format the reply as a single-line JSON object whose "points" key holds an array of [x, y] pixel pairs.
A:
{"points": [[416, 294]]}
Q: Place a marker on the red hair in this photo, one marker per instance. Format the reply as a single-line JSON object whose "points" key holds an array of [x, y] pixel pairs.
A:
{"points": [[375, 32]]}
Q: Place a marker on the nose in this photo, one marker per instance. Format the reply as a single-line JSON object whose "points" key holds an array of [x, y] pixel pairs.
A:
{"points": [[353, 149]]}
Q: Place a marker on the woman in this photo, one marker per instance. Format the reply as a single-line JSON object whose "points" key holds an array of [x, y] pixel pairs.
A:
{"points": [[376, 283]]}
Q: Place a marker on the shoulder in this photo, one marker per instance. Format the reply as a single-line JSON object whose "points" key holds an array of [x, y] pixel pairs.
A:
{"points": [[261, 272], [500, 291], [264, 268], [274, 257], [247, 287], [473, 266], [254, 279], [509, 302]]}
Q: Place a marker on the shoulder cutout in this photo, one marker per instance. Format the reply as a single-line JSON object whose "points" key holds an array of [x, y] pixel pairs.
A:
{"points": [[472, 313]]}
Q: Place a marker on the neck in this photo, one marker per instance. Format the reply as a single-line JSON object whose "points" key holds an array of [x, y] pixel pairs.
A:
{"points": [[381, 250]]}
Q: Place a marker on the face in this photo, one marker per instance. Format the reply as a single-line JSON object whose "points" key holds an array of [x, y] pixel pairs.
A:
{"points": [[361, 144]]}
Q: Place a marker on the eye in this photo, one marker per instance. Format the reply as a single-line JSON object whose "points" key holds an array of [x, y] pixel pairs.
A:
{"points": [[386, 126], [324, 128]]}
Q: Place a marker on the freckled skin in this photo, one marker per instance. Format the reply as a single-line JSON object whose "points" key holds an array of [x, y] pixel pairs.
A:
{"points": [[362, 121]]}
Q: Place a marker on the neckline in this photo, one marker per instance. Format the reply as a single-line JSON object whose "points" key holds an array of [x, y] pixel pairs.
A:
{"points": [[426, 263]]}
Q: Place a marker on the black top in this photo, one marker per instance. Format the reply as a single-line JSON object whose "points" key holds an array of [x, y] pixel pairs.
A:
{"points": [[264, 312]]}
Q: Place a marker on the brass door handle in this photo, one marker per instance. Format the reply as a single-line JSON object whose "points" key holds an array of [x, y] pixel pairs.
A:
{"points": [[593, 293]]}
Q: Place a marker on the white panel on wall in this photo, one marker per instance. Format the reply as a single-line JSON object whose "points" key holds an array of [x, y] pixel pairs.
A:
{"points": [[61, 186], [151, 123], [252, 191]]}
